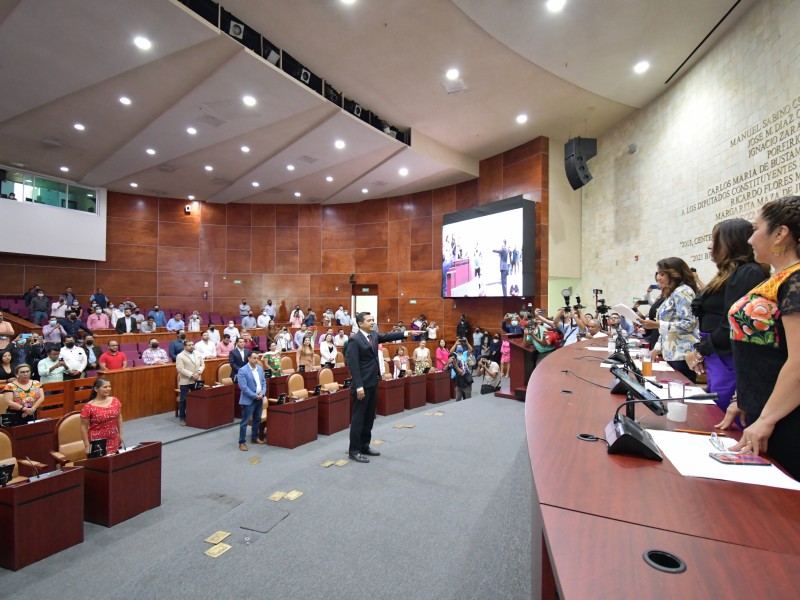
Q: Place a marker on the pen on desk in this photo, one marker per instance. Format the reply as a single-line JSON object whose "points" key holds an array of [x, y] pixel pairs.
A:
{"points": [[720, 434]]}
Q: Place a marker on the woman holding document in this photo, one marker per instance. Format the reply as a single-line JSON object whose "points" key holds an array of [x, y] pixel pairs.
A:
{"points": [[765, 335]]}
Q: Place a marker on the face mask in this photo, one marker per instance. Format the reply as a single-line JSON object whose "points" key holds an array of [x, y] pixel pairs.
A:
{"points": [[40, 295], [459, 349], [515, 323], [211, 327], [53, 322], [249, 314], [70, 344], [22, 342], [230, 324], [497, 339], [98, 311], [182, 337], [88, 344], [154, 345]]}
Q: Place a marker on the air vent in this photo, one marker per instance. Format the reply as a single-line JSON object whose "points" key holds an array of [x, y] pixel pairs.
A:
{"points": [[221, 181], [307, 159], [379, 183], [162, 193], [313, 200], [453, 87], [167, 168], [55, 143], [275, 190], [210, 120]]}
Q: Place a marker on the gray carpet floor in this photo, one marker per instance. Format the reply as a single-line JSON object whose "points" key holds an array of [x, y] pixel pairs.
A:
{"points": [[443, 513]]}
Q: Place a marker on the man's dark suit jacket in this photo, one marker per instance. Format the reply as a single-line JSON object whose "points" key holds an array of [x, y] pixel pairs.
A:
{"points": [[120, 326], [362, 357], [236, 361]]}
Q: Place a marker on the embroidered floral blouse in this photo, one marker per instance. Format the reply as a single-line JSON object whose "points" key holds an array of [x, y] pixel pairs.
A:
{"points": [[677, 325]]}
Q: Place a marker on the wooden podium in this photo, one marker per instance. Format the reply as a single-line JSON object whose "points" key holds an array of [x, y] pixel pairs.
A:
{"points": [[334, 412], [415, 391], [209, 407], [391, 395], [41, 517], [293, 424], [438, 387], [121, 486], [34, 440], [522, 363], [277, 386]]}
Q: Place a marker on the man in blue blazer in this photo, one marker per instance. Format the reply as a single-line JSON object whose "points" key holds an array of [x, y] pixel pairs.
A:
{"points": [[253, 386], [362, 360]]}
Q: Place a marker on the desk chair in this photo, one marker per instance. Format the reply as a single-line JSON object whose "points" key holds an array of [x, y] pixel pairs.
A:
{"points": [[296, 388], [7, 457], [326, 381], [68, 440], [224, 374], [287, 366]]}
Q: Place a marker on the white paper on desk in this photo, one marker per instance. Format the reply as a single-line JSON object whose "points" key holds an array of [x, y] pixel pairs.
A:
{"points": [[627, 312], [663, 393], [659, 366], [688, 452], [598, 348]]}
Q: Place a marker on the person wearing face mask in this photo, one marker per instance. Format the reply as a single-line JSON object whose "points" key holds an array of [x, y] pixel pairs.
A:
{"points": [[511, 324], [232, 331], [190, 368], [244, 308], [213, 334], [6, 332], [311, 318], [74, 358], [249, 321], [177, 345], [39, 306], [494, 348], [72, 325], [98, 320], [76, 308], [92, 353], [270, 310], [195, 322], [263, 319], [53, 332], [155, 355], [158, 315]]}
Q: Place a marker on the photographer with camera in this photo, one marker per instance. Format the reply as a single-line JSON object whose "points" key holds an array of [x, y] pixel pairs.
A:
{"points": [[459, 373], [570, 322], [491, 376]]}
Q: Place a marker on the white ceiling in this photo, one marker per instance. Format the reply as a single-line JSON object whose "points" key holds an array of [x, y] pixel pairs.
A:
{"points": [[571, 73]]}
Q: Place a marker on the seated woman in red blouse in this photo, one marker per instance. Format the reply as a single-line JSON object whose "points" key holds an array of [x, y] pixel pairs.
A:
{"points": [[101, 417]]}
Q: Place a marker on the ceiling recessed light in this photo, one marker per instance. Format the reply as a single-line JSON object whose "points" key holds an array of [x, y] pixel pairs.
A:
{"points": [[339, 144], [522, 118], [79, 126], [249, 100], [134, 184], [297, 194], [364, 191], [329, 179], [403, 171], [348, 2], [64, 169], [245, 149], [125, 100], [452, 74], [190, 197], [555, 5], [208, 168], [191, 130], [256, 184], [150, 151], [142, 43], [290, 167], [641, 67]]}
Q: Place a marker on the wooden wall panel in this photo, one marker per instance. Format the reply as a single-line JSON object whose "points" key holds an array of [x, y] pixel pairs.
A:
{"points": [[121, 283], [263, 251], [338, 261], [12, 279], [285, 287], [372, 211], [179, 235], [330, 285], [213, 214], [520, 177], [286, 215], [372, 235], [339, 215], [536, 146], [371, 260], [339, 236], [263, 215], [185, 284], [53, 280], [421, 257], [419, 230], [237, 261], [130, 258], [310, 255], [399, 246], [467, 194], [132, 206], [129, 231], [251, 286], [421, 204], [178, 260], [287, 238], [443, 200], [172, 210], [239, 214], [212, 260], [490, 183], [309, 215], [287, 261], [213, 236], [399, 208], [238, 237]]}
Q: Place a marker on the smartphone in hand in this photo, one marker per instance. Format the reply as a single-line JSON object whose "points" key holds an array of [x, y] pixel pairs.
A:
{"points": [[734, 458]]}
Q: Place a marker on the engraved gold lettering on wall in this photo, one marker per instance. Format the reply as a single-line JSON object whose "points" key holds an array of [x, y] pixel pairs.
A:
{"points": [[771, 152]]}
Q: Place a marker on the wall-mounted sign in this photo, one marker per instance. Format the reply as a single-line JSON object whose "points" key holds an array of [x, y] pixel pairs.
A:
{"points": [[237, 281]]}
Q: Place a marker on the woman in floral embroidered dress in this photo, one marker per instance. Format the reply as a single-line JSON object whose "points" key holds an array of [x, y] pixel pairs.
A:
{"points": [[765, 335], [101, 417]]}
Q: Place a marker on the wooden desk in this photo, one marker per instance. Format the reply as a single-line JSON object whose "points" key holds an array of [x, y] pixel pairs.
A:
{"points": [[522, 360], [293, 424], [414, 393], [340, 374], [277, 386], [121, 486], [209, 407], [310, 380], [34, 440], [438, 387], [391, 394], [39, 518], [629, 489], [334, 412]]}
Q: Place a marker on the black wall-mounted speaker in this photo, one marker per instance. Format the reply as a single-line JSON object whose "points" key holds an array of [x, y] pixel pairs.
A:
{"points": [[577, 153]]}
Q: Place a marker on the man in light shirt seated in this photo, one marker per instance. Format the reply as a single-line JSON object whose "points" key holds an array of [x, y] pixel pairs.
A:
{"points": [[224, 347], [176, 323], [263, 319], [594, 330], [249, 321], [98, 320], [205, 348], [148, 326], [155, 355]]}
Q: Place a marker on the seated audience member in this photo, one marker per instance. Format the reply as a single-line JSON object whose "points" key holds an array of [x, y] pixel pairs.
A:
{"points": [[155, 355], [249, 342], [195, 323], [339, 339], [73, 326], [159, 316], [205, 347], [99, 298], [238, 357], [176, 323], [148, 326], [74, 357], [6, 332], [491, 375], [127, 324], [113, 359], [263, 319], [399, 327], [272, 360], [58, 309], [92, 353], [137, 314], [327, 351], [223, 348], [51, 368], [346, 320], [98, 319], [614, 320], [23, 396], [284, 340], [177, 345], [40, 307], [400, 363], [249, 321], [213, 334], [232, 331], [593, 329]]}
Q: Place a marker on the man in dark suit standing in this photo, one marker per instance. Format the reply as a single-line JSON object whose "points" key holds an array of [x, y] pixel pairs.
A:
{"points": [[503, 252], [362, 360], [126, 324], [238, 357]]}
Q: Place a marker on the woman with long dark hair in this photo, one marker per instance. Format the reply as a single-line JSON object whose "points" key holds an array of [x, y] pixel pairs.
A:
{"points": [[677, 325], [737, 273], [101, 417]]}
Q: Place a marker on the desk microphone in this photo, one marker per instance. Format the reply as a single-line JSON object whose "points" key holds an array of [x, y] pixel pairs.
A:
{"points": [[32, 464], [638, 375]]}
